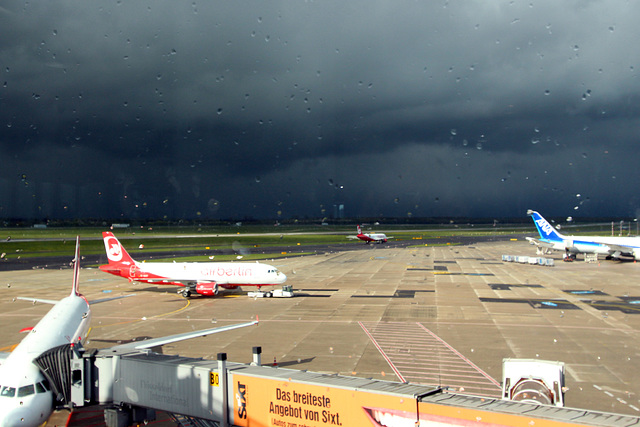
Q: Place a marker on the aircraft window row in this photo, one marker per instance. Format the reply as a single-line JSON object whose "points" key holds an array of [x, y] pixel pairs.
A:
{"points": [[27, 390]]}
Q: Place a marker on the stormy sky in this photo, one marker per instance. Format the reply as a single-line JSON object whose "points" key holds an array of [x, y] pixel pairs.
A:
{"points": [[283, 109]]}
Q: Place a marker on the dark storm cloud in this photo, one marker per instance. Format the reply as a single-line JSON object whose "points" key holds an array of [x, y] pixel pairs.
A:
{"points": [[234, 109]]}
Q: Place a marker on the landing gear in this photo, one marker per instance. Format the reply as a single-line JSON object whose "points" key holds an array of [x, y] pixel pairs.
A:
{"points": [[186, 293]]}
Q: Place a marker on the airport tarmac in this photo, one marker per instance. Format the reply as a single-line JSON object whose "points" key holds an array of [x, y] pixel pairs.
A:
{"points": [[437, 315]]}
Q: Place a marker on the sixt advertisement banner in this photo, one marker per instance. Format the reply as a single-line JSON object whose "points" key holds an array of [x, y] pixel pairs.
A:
{"points": [[275, 403]]}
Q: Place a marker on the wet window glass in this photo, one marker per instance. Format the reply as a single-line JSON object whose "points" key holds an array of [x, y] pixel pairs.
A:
{"points": [[8, 391], [26, 390], [330, 110], [40, 388]]}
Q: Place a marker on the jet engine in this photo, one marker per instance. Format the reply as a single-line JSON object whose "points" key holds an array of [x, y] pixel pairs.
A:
{"points": [[208, 288]]}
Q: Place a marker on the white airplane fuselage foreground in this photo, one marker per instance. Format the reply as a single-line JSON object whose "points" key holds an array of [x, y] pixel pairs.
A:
{"points": [[203, 278], [25, 396], [613, 247]]}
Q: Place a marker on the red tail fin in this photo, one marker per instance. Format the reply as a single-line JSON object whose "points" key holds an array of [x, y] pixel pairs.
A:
{"points": [[359, 230], [115, 252]]}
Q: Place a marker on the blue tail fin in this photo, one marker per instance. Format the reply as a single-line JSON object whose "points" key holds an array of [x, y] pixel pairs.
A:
{"points": [[546, 230]]}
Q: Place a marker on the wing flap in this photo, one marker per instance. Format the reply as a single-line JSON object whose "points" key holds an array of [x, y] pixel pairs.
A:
{"points": [[34, 300], [155, 342]]}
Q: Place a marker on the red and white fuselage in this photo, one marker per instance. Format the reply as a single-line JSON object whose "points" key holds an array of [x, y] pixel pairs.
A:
{"points": [[201, 277], [371, 237]]}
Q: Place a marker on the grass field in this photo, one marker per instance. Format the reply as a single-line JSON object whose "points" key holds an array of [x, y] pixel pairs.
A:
{"points": [[30, 242], [35, 242]]}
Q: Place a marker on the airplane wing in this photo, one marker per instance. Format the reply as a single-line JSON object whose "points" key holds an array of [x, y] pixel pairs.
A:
{"points": [[98, 301], [540, 243], [182, 282], [52, 301], [155, 342], [621, 249], [352, 237], [34, 300]]}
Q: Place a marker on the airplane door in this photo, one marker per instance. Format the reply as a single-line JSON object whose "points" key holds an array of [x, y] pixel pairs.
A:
{"points": [[134, 272]]}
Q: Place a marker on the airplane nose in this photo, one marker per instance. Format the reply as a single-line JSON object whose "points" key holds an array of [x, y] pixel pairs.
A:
{"points": [[12, 415]]}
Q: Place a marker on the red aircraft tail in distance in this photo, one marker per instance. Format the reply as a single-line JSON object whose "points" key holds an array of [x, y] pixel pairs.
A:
{"points": [[203, 278]]}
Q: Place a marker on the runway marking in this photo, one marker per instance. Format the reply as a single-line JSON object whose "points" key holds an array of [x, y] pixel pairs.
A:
{"points": [[398, 374], [418, 355], [619, 399]]}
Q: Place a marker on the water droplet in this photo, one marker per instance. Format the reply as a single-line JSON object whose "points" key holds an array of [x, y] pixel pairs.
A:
{"points": [[534, 140], [219, 111], [55, 32], [454, 132], [479, 146], [258, 179], [547, 92], [396, 200], [611, 28]]}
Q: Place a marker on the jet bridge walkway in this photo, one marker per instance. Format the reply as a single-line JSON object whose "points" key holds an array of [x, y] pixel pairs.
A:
{"points": [[133, 385]]}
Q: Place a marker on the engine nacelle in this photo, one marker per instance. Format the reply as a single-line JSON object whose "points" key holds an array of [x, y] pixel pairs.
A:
{"points": [[636, 254], [208, 289]]}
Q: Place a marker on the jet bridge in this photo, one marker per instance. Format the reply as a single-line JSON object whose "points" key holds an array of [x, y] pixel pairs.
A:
{"points": [[133, 385]]}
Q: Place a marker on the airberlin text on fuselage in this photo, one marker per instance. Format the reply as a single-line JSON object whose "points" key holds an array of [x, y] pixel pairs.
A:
{"points": [[239, 271]]}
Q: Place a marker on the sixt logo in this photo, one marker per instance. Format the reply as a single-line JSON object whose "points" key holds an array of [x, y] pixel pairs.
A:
{"points": [[241, 400], [546, 228]]}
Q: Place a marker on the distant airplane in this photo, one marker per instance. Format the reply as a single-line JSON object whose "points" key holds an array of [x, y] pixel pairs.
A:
{"points": [[203, 278], [26, 396], [611, 247], [370, 237]]}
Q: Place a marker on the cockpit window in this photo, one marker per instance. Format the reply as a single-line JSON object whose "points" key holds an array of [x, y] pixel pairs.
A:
{"points": [[8, 391], [40, 388], [45, 383], [27, 390]]}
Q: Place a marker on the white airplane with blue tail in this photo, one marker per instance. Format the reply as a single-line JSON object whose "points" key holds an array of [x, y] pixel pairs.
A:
{"points": [[611, 247]]}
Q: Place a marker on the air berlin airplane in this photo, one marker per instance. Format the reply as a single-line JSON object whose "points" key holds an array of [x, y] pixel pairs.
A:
{"points": [[372, 237], [203, 278]]}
